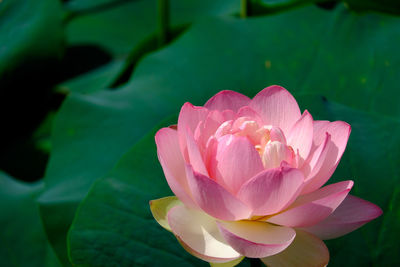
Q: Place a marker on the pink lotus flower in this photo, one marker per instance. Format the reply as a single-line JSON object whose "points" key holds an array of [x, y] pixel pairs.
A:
{"points": [[248, 176]]}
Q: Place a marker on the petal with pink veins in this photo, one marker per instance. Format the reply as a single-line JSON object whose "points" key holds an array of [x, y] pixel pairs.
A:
{"points": [[227, 100], [173, 164], [194, 155], [198, 233], [353, 213], [215, 199], [277, 107], [189, 118], [271, 190], [316, 158], [300, 137], [276, 134], [236, 161], [312, 208], [305, 250], [339, 132], [255, 239], [229, 114], [247, 111], [207, 128]]}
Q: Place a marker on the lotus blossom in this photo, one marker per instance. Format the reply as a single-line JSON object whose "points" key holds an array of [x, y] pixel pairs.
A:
{"points": [[249, 175]]}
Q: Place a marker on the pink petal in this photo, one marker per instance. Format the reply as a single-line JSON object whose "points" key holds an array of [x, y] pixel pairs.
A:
{"points": [[276, 134], [173, 164], [316, 158], [228, 114], [314, 207], [247, 111], [237, 161], [198, 234], [189, 118], [301, 135], [339, 132], [256, 239], [306, 250], [271, 190], [215, 199], [208, 127], [275, 153], [194, 155], [277, 107], [227, 100], [353, 213]]}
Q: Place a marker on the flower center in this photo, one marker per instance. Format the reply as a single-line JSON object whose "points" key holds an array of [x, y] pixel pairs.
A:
{"points": [[269, 141]]}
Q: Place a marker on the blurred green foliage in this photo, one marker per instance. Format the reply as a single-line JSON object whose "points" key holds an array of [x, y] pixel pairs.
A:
{"points": [[85, 84]]}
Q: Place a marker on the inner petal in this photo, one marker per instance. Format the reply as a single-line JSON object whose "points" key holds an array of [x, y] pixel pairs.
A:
{"points": [[274, 153], [236, 162]]}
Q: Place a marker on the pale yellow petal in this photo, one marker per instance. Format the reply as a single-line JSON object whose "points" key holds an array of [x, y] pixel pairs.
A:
{"points": [[227, 264], [160, 207]]}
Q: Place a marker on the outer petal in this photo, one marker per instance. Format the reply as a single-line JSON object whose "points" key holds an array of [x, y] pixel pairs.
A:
{"points": [[227, 100], [236, 162], [198, 233], [277, 107], [301, 135], [306, 250], [312, 208], [316, 158], [339, 132], [256, 239], [194, 155], [272, 190], [353, 213], [189, 118], [214, 199], [160, 207], [173, 164]]}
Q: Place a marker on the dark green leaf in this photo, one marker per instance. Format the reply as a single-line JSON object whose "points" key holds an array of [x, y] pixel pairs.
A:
{"points": [[30, 30], [127, 30], [91, 5], [121, 28], [22, 234], [388, 6], [95, 80]]}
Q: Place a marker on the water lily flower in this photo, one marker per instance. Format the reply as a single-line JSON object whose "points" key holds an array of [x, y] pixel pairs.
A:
{"points": [[249, 175]]}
